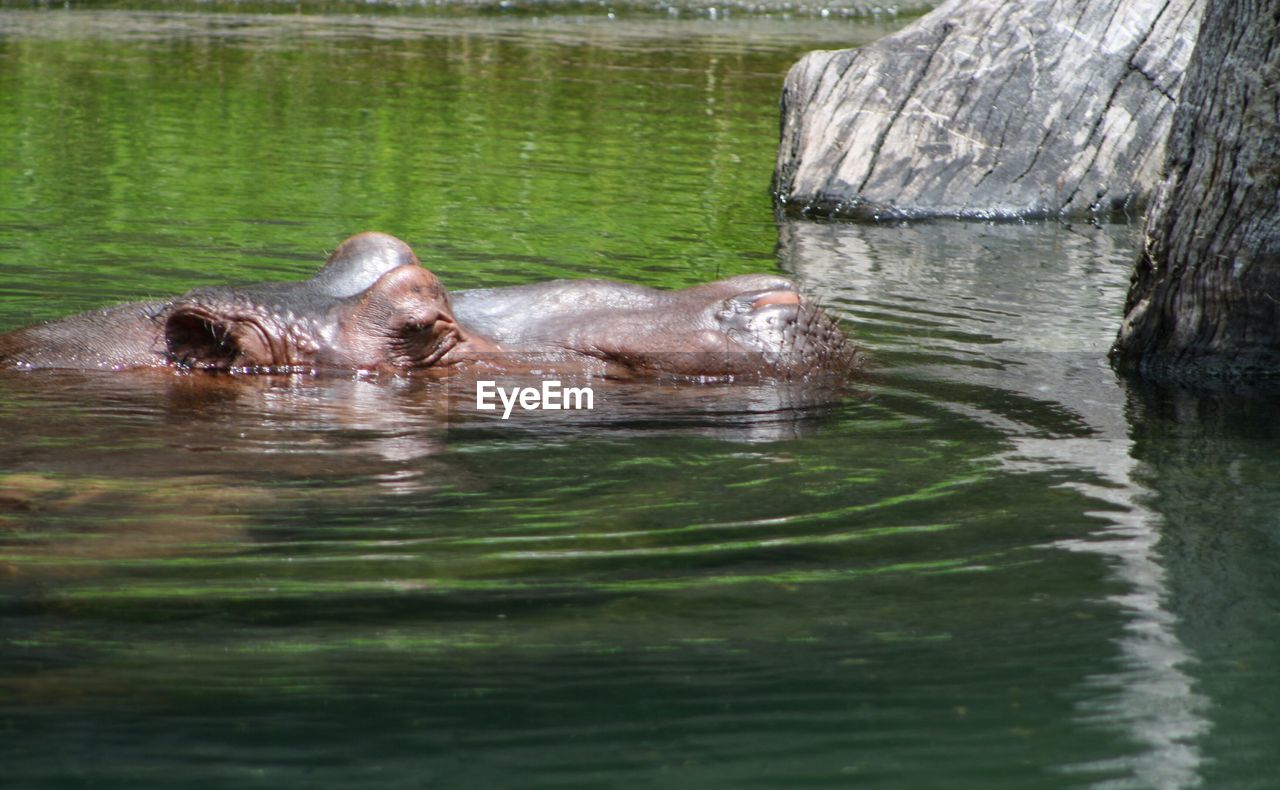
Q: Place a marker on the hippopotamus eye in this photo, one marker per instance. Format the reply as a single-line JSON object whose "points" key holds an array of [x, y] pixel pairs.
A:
{"points": [[419, 343], [413, 332]]}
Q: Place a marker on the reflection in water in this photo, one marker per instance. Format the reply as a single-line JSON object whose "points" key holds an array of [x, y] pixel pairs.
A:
{"points": [[558, 26], [973, 291], [385, 428], [741, 411], [1208, 460], [1152, 698], [147, 441]]}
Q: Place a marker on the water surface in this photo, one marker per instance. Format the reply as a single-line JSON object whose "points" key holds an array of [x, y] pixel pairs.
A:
{"points": [[993, 564]]}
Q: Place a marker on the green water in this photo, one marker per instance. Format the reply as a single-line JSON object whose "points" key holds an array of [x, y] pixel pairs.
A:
{"points": [[993, 565]]}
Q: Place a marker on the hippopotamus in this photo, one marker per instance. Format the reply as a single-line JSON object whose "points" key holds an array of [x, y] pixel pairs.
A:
{"points": [[374, 307]]}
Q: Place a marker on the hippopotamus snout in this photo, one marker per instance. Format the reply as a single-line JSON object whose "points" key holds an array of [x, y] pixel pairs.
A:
{"points": [[781, 332], [790, 334]]}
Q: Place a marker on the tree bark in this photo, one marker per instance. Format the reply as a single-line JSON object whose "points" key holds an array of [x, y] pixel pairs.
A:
{"points": [[1205, 294], [989, 109]]}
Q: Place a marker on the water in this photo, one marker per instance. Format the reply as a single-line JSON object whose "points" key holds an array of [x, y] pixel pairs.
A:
{"points": [[993, 564]]}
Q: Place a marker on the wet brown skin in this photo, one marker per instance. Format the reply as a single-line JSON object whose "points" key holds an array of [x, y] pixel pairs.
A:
{"points": [[373, 307]]}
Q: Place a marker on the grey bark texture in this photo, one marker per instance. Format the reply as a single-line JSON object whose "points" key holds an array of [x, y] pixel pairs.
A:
{"points": [[1205, 294], [989, 109]]}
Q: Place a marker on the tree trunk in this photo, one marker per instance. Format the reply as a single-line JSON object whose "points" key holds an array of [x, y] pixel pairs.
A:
{"points": [[1205, 295], [985, 109]]}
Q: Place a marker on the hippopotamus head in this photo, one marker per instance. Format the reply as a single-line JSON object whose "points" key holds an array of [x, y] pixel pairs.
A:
{"points": [[373, 306]]}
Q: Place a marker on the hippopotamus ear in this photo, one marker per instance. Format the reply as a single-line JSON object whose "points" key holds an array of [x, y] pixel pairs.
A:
{"points": [[359, 261], [198, 337]]}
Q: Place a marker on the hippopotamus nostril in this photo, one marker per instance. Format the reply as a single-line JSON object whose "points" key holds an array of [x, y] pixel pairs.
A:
{"points": [[776, 297]]}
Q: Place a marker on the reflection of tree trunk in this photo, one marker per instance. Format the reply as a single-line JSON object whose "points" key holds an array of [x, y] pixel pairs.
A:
{"points": [[1206, 290], [989, 108], [1208, 462]]}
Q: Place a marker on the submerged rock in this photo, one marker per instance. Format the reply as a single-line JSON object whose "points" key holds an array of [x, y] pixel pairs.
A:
{"points": [[989, 109]]}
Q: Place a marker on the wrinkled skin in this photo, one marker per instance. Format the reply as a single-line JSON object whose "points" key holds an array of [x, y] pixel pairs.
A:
{"points": [[373, 307]]}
